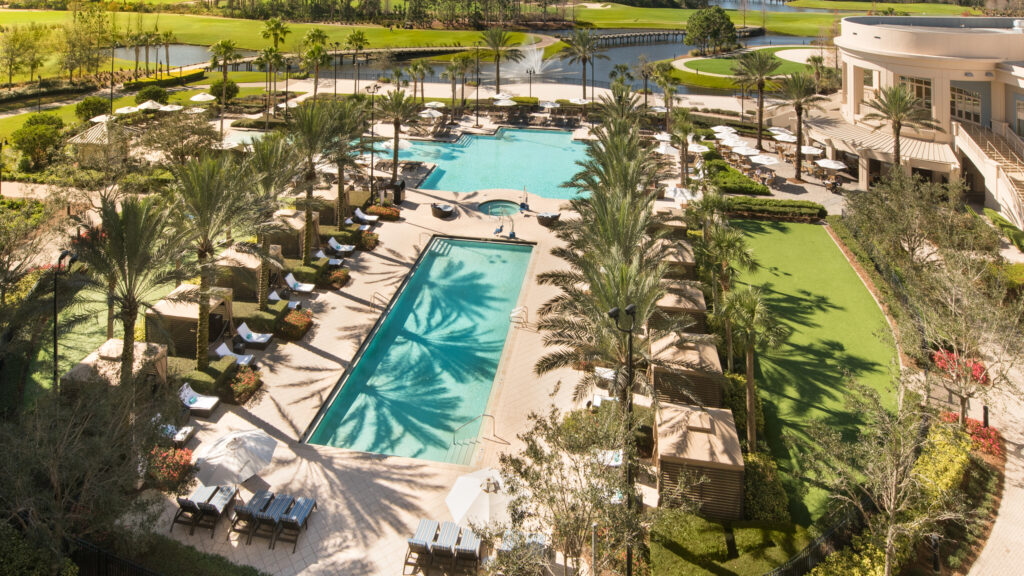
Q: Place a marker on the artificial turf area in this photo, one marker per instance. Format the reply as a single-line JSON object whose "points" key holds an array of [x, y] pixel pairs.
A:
{"points": [[727, 65], [838, 332]]}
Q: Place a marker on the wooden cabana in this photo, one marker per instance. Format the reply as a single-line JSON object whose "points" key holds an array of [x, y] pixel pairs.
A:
{"points": [[292, 231], [239, 271], [174, 320], [680, 298], [698, 457], [678, 255], [697, 377], [104, 364], [102, 144]]}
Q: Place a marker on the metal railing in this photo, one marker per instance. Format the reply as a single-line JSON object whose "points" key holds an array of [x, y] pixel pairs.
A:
{"points": [[379, 299], [455, 439], [95, 561]]}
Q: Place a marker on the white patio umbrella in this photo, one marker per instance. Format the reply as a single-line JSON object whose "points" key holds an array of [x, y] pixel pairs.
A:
{"points": [[100, 118], [663, 137], [811, 151], [726, 136], [764, 160], [733, 143], [779, 130], [503, 96], [431, 113], [195, 110], [722, 128], [788, 138], [746, 151], [150, 105], [402, 144], [171, 108], [658, 109], [235, 457], [667, 149], [580, 101], [126, 110], [505, 103], [288, 104], [829, 164], [697, 148], [478, 497], [203, 97], [550, 105], [434, 104]]}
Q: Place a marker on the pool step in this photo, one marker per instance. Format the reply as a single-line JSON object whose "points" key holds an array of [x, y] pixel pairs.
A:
{"points": [[461, 453], [440, 247]]}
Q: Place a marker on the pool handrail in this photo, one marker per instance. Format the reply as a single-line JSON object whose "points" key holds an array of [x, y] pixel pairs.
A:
{"points": [[481, 416]]}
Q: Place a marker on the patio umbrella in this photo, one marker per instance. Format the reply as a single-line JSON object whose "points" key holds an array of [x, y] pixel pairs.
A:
{"points": [[667, 149], [733, 143], [663, 137], [550, 105], [203, 97], [746, 151], [721, 128], [100, 118], [504, 103], [698, 148], [150, 105], [764, 160], [789, 138], [171, 108], [779, 130], [829, 164], [195, 110], [235, 457], [402, 144], [502, 96], [478, 497], [289, 104], [580, 101], [811, 150], [126, 110], [432, 114], [434, 104]]}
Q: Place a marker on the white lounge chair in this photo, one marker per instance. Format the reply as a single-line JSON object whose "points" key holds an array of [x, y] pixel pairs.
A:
{"points": [[366, 218], [362, 228], [254, 339], [275, 297], [332, 262], [298, 286], [240, 359], [198, 404], [339, 247]]}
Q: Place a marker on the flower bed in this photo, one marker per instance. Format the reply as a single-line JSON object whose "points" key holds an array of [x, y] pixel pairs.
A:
{"points": [[169, 467], [367, 241], [389, 213], [244, 384], [986, 440], [338, 278], [295, 324]]}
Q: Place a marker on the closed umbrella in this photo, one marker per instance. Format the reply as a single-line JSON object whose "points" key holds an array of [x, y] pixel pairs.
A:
{"points": [[150, 105], [829, 164], [235, 457], [171, 108], [203, 97], [126, 110], [746, 151], [505, 103], [788, 138], [811, 151], [764, 160], [100, 118], [434, 104], [478, 498]]}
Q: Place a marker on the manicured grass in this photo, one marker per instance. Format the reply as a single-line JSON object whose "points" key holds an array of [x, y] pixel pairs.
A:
{"points": [[809, 284], [727, 66], [941, 9], [619, 16], [703, 80]]}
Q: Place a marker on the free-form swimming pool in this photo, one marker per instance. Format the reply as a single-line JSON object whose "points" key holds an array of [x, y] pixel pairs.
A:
{"points": [[539, 160], [428, 367]]}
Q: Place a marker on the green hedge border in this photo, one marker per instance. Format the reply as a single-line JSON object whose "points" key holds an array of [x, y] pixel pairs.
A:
{"points": [[171, 81]]}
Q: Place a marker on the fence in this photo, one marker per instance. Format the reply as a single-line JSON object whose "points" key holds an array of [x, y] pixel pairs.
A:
{"points": [[95, 561]]}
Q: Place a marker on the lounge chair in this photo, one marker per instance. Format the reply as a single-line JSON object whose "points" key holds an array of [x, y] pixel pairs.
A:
{"points": [[444, 546], [240, 359], [332, 262], [362, 227], [294, 522], [188, 508], [197, 403], [246, 514], [548, 218], [421, 542], [292, 304], [298, 286], [268, 519], [366, 218], [442, 210], [468, 550], [178, 435], [339, 248], [215, 508], [255, 339]]}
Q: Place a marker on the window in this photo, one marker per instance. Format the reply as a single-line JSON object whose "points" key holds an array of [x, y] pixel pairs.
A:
{"points": [[1020, 118], [869, 78], [965, 105], [920, 87]]}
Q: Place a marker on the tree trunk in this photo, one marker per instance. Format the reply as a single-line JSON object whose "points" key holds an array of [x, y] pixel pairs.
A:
{"points": [[394, 165], [341, 209], [316, 81], [584, 79], [223, 98], [760, 112], [896, 129], [963, 411], [203, 327], [799, 143], [751, 408], [307, 239], [355, 87], [129, 315], [263, 294], [110, 310], [497, 72]]}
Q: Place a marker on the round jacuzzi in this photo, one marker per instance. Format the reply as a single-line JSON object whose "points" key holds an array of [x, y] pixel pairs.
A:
{"points": [[499, 207]]}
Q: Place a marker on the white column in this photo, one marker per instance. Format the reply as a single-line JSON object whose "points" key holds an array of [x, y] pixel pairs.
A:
{"points": [[863, 180]]}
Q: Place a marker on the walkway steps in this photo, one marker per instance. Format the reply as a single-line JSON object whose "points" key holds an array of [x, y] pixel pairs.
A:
{"points": [[1000, 150]]}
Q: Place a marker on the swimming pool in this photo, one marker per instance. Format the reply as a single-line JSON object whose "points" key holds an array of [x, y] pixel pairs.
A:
{"points": [[499, 207], [539, 160], [428, 367]]}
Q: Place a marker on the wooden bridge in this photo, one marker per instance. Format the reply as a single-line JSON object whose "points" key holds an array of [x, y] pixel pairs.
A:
{"points": [[249, 63], [635, 38]]}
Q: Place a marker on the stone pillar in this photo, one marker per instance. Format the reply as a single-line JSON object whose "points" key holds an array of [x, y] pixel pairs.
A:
{"points": [[864, 176]]}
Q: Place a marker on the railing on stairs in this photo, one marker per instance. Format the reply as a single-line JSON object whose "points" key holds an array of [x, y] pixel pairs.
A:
{"points": [[455, 434], [378, 299], [1014, 188]]}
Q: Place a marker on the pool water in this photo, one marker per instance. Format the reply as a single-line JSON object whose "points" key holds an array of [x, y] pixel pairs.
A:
{"points": [[538, 160], [499, 207], [429, 366]]}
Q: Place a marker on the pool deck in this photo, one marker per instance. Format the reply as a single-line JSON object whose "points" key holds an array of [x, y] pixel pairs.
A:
{"points": [[369, 504]]}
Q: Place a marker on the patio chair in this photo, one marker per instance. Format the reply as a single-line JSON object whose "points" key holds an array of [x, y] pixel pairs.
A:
{"points": [[245, 514], [444, 547], [420, 543], [292, 304], [366, 218], [213, 510], [331, 262], [178, 435], [197, 403], [362, 227], [467, 552], [339, 248], [298, 286], [294, 522], [241, 359], [442, 210], [548, 218], [188, 508], [258, 340], [268, 519]]}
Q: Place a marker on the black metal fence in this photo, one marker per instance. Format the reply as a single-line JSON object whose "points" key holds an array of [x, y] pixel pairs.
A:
{"points": [[95, 561]]}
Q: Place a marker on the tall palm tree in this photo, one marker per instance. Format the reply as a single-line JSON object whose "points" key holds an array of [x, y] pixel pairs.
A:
{"points": [[167, 37], [621, 74], [756, 328], [315, 55], [817, 64], [357, 41], [723, 254], [900, 107], [451, 72], [682, 130], [465, 64], [707, 212], [397, 108], [644, 69], [582, 48], [797, 91], [274, 165], [265, 61], [208, 195], [755, 69], [498, 42], [129, 255], [224, 52], [350, 121], [275, 30], [310, 133], [664, 77]]}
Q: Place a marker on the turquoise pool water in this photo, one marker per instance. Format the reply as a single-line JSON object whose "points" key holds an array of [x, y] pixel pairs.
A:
{"points": [[539, 160], [499, 207], [429, 367]]}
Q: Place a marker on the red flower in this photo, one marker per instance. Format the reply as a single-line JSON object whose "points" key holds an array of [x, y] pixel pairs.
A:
{"points": [[956, 367], [987, 440]]}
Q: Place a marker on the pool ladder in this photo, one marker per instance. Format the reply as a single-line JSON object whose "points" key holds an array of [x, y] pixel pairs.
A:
{"points": [[378, 299]]}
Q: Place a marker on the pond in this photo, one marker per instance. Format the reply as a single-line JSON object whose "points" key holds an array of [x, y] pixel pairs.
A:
{"points": [[180, 54]]}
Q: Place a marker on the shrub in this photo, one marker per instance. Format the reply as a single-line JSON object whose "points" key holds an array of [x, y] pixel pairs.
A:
{"points": [[861, 559], [214, 380], [367, 241], [339, 277], [764, 497], [734, 397], [19, 557], [256, 320], [711, 155], [155, 93], [217, 89], [387, 213], [801, 210], [1012, 233], [680, 539], [987, 440], [733, 182], [944, 460], [37, 141], [169, 467], [92, 106], [244, 384], [295, 325], [45, 119], [165, 80], [311, 274]]}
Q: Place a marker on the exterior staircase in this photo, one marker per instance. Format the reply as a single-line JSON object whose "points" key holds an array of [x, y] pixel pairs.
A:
{"points": [[1005, 160], [999, 149]]}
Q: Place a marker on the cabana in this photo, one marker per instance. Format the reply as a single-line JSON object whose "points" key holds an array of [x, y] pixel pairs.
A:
{"points": [[292, 232], [699, 374], [174, 320], [239, 271], [101, 144], [698, 458], [684, 299], [104, 364], [678, 255]]}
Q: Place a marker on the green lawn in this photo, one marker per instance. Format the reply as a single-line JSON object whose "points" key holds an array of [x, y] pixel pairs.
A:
{"points": [[939, 9], [619, 16], [835, 323], [728, 65]]}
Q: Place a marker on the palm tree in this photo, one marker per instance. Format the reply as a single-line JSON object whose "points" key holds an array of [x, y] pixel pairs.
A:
{"points": [[817, 64], [465, 64], [621, 74], [900, 107], [418, 71], [797, 92], [310, 133], [645, 69], [707, 212], [398, 109], [350, 120], [265, 61], [167, 38], [275, 30], [274, 164], [148, 38], [357, 41], [315, 55], [582, 48], [664, 77], [129, 256], [756, 328], [224, 52], [723, 254], [497, 41], [451, 72], [682, 130], [209, 194], [755, 69]]}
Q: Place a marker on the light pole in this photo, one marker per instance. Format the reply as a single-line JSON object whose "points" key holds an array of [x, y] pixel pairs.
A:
{"points": [[56, 272], [287, 75], [2, 144], [530, 72], [477, 125], [628, 393], [335, 45], [113, 43], [372, 89]]}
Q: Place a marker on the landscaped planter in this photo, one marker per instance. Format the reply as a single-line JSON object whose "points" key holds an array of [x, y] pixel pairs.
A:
{"points": [[245, 384], [295, 324], [169, 467]]}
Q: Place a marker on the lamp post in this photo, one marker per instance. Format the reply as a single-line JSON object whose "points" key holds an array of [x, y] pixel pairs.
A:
{"points": [[287, 75], [477, 125], [530, 72], [113, 43], [628, 393], [335, 45], [372, 89], [2, 144], [72, 258]]}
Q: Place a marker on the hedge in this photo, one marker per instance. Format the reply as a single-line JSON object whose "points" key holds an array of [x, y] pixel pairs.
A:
{"points": [[312, 274], [295, 324], [386, 213], [733, 182], [260, 123], [161, 552], [18, 556], [674, 530], [165, 80], [772, 208], [1012, 233], [215, 380], [944, 460], [256, 320], [764, 497], [734, 397]]}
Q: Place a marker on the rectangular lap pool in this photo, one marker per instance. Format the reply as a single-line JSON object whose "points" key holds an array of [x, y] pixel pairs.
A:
{"points": [[429, 365]]}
